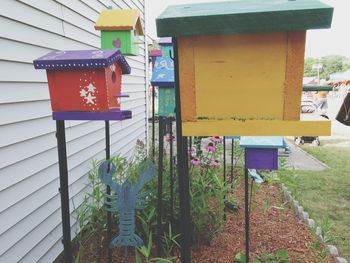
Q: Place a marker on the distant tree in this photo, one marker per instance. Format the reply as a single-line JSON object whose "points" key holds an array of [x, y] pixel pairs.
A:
{"points": [[308, 70], [330, 65]]}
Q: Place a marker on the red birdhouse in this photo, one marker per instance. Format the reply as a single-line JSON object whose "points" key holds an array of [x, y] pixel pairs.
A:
{"points": [[87, 80]]}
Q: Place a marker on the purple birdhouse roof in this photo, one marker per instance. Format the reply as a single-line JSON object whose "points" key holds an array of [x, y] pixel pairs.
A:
{"points": [[165, 41], [78, 59]]}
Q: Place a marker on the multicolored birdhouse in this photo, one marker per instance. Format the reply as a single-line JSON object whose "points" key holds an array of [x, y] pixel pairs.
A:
{"points": [[153, 54], [241, 65], [261, 152], [120, 29], [166, 45], [163, 77], [84, 81]]}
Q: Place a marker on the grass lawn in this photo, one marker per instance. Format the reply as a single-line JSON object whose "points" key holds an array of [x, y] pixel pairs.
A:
{"points": [[326, 194]]}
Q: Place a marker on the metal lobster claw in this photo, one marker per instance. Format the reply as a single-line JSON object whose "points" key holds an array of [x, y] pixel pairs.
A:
{"points": [[146, 174], [106, 175]]}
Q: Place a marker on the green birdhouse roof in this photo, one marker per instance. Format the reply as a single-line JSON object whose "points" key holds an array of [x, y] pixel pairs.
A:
{"points": [[242, 16]]}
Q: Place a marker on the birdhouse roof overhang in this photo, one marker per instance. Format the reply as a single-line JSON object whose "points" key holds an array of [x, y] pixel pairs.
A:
{"points": [[79, 59], [243, 16], [120, 20], [165, 41], [272, 142]]}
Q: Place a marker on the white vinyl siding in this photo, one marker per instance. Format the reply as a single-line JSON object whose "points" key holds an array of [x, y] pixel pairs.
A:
{"points": [[30, 215]]}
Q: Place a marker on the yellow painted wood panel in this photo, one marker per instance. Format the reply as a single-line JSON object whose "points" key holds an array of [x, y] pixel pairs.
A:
{"points": [[126, 19], [256, 128], [187, 79], [294, 75], [240, 75]]}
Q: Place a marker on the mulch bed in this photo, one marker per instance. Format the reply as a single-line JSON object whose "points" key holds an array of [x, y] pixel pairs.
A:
{"points": [[273, 227]]}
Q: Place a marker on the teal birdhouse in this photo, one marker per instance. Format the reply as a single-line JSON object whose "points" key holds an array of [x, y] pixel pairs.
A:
{"points": [[120, 29], [166, 102], [166, 45]]}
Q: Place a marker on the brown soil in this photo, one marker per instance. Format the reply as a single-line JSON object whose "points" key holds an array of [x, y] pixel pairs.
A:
{"points": [[273, 226]]}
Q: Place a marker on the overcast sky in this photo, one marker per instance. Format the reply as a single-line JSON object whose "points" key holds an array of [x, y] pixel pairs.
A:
{"points": [[319, 42]]}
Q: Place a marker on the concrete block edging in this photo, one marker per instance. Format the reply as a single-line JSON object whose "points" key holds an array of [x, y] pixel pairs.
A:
{"points": [[304, 217]]}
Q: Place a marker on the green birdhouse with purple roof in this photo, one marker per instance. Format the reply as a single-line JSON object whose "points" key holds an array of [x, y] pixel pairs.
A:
{"points": [[120, 29]]}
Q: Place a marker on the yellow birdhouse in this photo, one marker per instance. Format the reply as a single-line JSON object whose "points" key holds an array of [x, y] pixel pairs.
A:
{"points": [[241, 63]]}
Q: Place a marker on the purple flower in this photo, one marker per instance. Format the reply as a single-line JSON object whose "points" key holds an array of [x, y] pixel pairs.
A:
{"points": [[170, 138], [195, 161], [214, 163], [191, 152], [210, 147], [216, 139]]}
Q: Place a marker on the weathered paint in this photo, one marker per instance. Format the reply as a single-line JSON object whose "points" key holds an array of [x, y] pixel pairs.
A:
{"points": [[187, 79], [166, 102], [231, 17], [256, 128], [294, 75]]}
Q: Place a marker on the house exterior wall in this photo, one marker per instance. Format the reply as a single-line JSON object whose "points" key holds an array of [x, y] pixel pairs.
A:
{"points": [[30, 216]]}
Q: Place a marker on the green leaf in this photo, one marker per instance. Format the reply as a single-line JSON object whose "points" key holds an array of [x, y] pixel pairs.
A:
{"points": [[282, 254], [240, 258], [138, 258]]}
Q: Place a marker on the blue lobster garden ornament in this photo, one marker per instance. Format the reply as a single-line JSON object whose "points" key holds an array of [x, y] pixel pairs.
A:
{"points": [[125, 201]]}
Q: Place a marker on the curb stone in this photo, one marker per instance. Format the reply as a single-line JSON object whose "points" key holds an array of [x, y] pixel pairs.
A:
{"points": [[310, 223], [304, 216], [333, 250], [340, 260]]}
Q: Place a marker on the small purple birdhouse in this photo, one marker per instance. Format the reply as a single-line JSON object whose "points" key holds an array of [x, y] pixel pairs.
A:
{"points": [[261, 152]]}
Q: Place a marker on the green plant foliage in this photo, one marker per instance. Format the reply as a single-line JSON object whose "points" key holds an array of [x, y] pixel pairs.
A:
{"points": [[326, 231], [280, 256], [207, 192]]}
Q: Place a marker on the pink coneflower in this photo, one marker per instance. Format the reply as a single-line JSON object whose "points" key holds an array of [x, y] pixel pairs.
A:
{"points": [[191, 152], [214, 163], [216, 139], [210, 147], [195, 161], [170, 138]]}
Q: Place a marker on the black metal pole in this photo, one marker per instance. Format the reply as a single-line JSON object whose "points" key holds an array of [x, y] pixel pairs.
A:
{"points": [[246, 211], [232, 156], [171, 168], [153, 123], [108, 192], [224, 146], [182, 160], [63, 169], [160, 187]]}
